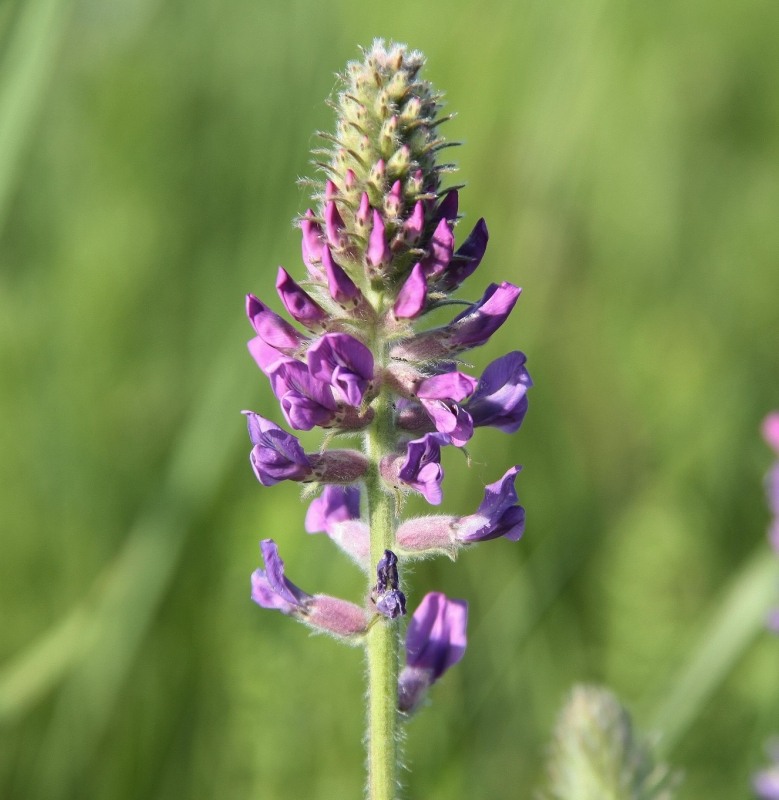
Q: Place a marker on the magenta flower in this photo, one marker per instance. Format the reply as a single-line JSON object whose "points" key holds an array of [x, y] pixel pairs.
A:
{"points": [[299, 304], [435, 641]]}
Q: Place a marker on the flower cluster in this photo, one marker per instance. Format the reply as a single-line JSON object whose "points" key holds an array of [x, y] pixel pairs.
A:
{"points": [[380, 253]]}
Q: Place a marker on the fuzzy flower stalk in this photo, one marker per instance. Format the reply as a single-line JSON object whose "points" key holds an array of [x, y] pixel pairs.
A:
{"points": [[353, 355]]}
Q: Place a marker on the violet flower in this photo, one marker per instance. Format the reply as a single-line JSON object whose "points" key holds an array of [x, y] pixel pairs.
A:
{"points": [[472, 328], [272, 589], [335, 504], [498, 515], [420, 469], [336, 512], [500, 399], [343, 362], [440, 395], [277, 455], [435, 641]]}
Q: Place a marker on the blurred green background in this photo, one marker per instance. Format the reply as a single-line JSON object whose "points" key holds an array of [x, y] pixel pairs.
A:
{"points": [[626, 158]]}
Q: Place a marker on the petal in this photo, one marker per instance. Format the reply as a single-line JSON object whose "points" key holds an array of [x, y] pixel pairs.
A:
{"points": [[412, 296]]}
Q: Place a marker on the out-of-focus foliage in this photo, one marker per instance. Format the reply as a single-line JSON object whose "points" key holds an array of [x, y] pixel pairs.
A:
{"points": [[626, 157]]}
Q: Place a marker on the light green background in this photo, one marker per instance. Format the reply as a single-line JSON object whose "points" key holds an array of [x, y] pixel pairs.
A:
{"points": [[626, 158]]}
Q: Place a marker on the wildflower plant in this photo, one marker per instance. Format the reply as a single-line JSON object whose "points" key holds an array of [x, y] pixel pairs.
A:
{"points": [[380, 253]]}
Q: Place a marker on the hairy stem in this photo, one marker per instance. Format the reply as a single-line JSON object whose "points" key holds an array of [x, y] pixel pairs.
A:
{"points": [[382, 640]]}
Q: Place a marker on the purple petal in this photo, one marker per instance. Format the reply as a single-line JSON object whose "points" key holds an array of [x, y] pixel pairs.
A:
{"points": [[411, 298], [412, 228], [341, 287], [498, 514], [440, 250], [271, 328], [300, 305], [276, 455], [264, 595], [311, 245], [466, 259], [334, 225], [478, 322], [378, 252], [335, 504], [305, 400], [363, 212], [422, 469], [267, 358], [273, 578], [436, 637], [447, 208], [345, 363], [450, 419], [391, 604], [447, 386], [500, 399]]}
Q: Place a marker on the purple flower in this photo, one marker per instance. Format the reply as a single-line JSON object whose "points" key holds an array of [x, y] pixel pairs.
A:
{"points": [[498, 514], [336, 512], [478, 322], [447, 208], [378, 253], [300, 305], [335, 504], [341, 287], [412, 296], [440, 250], [439, 396], [334, 224], [311, 245], [435, 641], [276, 455], [420, 469], [271, 328], [412, 228], [305, 400], [389, 600], [470, 329], [345, 363], [271, 588], [465, 261], [500, 399]]}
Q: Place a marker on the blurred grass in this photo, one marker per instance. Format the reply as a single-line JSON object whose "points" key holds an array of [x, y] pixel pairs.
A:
{"points": [[626, 159]]}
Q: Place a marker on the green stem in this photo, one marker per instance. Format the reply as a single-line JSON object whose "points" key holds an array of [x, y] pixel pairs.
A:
{"points": [[382, 639]]}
